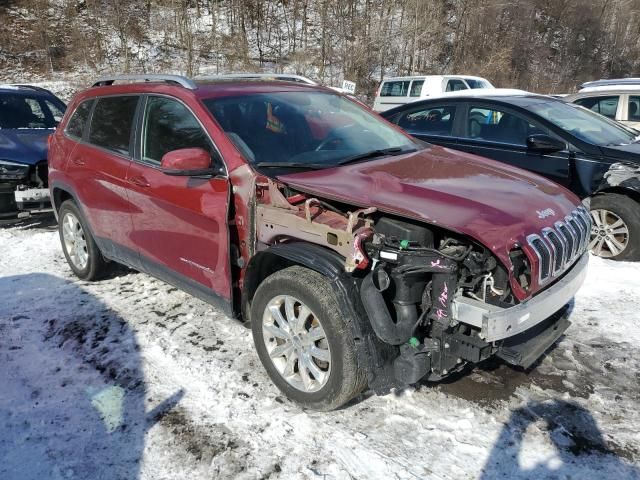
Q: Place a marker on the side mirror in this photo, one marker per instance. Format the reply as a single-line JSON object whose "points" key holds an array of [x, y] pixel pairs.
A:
{"points": [[187, 162], [544, 144]]}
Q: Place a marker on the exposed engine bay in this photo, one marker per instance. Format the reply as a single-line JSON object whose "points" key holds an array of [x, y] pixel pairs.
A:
{"points": [[409, 274]]}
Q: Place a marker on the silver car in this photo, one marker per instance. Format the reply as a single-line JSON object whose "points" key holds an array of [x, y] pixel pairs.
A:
{"points": [[617, 99]]}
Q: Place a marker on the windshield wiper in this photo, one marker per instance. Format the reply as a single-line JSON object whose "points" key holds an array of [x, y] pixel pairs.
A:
{"points": [[381, 152], [312, 166], [355, 158]]}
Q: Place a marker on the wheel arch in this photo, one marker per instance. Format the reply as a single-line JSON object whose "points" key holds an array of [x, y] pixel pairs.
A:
{"points": [[632, 193], [60, 192]]}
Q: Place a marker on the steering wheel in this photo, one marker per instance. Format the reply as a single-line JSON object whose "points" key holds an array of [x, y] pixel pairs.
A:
{"points": [[334, 136]]}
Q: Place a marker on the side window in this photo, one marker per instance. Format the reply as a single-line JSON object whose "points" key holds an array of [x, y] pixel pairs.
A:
{"points": [[416, 88], [169, 125], [436, 120], [37, 113], [634, 108], [395, 89], [493, 125], [55, 110], [112, 122], [606, 106], [454, 85], [75, 127]]}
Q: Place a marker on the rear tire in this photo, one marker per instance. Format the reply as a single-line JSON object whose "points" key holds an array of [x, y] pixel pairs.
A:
{"points": [[298, 330], [615, 233], [78, 245]]}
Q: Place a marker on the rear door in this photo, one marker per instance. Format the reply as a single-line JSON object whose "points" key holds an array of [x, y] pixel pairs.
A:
{"points": [[98, 170], [501, 133], [180, 222]]}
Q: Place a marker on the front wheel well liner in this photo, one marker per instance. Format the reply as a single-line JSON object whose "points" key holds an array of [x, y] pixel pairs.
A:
{"points": [[279, 257]]}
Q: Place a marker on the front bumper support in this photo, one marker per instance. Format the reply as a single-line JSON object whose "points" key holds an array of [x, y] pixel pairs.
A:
{"points": [[32, 198], [496, 323], [525, 348]]}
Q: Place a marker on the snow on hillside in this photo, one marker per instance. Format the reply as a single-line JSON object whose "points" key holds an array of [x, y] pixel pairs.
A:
{"points": [[130, 378]]}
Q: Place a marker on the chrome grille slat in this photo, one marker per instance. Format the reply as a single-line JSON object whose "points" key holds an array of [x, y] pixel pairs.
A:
{"points": [[543, 252], [576, 236], [558, 246], [580, 226]]}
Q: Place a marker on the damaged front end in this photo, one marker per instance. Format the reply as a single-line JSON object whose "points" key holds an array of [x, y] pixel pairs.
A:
{"points": [[430, 295], [23, 188]]}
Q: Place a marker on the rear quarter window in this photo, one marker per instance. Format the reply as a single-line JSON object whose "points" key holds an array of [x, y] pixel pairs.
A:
{"points": [[398, 88], [112, 122], [78, 121], [604, 105], [455, 85], [416, 88]]}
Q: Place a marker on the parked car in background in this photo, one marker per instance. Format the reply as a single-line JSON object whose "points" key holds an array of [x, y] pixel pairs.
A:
{"points": [[617, 99], [401, 90], [596, 158], [28, 115], [360, 256]]}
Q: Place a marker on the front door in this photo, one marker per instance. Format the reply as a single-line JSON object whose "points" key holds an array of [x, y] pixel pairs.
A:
{"points": [[501, 134], [180, 222]]}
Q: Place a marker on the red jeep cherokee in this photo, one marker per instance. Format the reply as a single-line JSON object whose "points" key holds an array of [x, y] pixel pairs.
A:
{"points": [[359, 256]]}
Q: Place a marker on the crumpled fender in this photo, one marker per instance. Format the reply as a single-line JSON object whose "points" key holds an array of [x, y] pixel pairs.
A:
{"points": [[621, 175]]}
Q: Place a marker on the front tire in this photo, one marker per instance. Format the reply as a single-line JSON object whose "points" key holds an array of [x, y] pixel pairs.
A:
{"points": [[78, 245], [615, 233], [304, 339]]}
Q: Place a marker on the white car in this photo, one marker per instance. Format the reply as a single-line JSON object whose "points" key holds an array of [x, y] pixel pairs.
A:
{"points": [[400, 90], [618, 99]]}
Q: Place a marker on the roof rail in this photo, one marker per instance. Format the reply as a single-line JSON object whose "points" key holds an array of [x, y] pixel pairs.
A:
{"points": [[175, 79], [608, 82], [260, 76]]}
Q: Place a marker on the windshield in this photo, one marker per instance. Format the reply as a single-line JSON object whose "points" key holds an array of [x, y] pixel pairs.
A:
{"points": [[311, 128], [476, 83], [584, 124], [18, 111]]}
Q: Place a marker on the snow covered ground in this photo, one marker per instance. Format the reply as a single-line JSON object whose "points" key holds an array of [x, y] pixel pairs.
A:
{"points": [[130, 378]]}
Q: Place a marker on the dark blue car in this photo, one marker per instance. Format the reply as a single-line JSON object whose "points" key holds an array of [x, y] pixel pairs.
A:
{"points": [[28, 115]]}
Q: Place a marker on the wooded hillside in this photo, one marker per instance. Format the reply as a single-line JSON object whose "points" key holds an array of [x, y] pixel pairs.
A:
{"points": [[539, 45]]}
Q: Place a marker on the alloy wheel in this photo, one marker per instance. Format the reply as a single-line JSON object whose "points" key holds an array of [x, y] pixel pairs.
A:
{"points": [[609, 234], [296, 343], [75, 242]]}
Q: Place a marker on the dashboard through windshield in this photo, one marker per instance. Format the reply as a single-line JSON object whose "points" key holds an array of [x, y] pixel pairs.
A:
{"points": [[305, 129]]}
